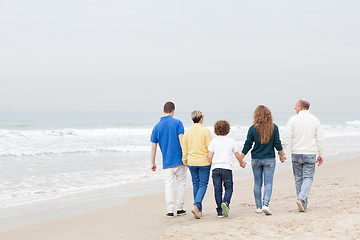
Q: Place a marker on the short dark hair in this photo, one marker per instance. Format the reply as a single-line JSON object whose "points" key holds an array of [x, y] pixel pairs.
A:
{"points": [[222, 128], [169, 107]]}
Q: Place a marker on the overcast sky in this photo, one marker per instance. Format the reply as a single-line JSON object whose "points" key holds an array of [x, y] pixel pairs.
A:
{"points": [[133, 55]]}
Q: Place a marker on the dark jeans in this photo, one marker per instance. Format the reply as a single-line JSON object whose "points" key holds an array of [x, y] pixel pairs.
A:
{"points": [[222, 176]]}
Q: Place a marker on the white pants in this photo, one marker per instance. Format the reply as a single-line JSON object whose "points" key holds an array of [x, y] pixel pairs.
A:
{"points": [[175, 177]]}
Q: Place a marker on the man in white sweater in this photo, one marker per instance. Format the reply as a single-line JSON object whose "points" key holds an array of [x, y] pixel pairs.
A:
{"points": [[304, 135]]}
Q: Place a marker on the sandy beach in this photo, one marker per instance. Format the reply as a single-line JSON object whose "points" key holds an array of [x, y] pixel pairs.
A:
{"points": [[333, 213]]}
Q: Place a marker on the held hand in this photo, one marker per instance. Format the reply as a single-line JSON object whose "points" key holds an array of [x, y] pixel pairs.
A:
{"points": [[153, 167], [319, 160], [242, 164], [282, 158]]}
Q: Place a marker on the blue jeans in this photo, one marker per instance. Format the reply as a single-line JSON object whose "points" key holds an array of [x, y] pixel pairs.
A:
{"points": [[222, 176], [304, 170], [263, 170], [200, 179]]}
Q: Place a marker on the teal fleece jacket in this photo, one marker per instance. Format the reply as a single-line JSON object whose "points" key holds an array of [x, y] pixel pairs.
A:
{"points": [[262, 151]]}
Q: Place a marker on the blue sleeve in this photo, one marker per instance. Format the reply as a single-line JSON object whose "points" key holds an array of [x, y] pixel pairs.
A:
{"points": [[154, 136], [249, 142], [180, 129], [277, 141]]}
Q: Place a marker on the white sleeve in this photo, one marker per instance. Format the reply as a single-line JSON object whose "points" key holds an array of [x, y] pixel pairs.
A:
{"points": [[319, 139], [235, 148], [288, 134], [211, 146]]}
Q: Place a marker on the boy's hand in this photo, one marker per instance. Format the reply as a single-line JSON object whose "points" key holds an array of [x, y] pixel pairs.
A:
{"points": [[153, 167]]}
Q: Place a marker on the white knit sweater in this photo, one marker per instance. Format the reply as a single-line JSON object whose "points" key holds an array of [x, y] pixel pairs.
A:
{"points": [[304, 134]]}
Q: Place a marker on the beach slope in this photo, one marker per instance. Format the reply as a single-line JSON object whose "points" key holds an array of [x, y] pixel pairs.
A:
{"points": [[333, 213]]}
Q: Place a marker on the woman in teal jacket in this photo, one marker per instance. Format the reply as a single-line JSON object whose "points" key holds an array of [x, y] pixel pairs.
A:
{"points": [[265, 134]]}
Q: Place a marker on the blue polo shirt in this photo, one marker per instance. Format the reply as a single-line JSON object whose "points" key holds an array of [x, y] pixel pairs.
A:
{"points": [[166, 134]]}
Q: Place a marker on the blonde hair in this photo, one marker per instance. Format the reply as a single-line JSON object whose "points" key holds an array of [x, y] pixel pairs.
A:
{"points": [[263, 123], [196, 115]]}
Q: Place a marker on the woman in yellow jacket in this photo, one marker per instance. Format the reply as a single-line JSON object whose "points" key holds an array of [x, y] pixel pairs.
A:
{"points": [[195, 145]]}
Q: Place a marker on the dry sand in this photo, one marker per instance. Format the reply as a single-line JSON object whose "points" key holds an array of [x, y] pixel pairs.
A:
{"points": [[333, 213]]}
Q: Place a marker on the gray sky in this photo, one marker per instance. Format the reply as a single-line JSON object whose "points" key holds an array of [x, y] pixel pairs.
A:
{"points": [[115, 55]]}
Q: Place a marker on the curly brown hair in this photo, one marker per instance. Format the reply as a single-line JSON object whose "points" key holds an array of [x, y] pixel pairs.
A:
{"points": [[263, 123], [222, 128]]}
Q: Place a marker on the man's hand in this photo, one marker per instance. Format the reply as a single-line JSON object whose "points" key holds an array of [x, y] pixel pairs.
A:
{"points": [[153, 167], [319, 160], [282, 158]]}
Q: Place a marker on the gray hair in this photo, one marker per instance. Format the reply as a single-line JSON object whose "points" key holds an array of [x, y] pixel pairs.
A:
{"points": [[196, 116], [304, 103]]}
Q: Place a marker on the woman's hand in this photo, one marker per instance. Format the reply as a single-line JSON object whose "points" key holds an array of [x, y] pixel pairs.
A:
{"points": [[242, 164]]}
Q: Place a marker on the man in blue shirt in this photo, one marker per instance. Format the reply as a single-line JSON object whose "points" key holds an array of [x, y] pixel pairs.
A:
{"points": [[168, 133]]}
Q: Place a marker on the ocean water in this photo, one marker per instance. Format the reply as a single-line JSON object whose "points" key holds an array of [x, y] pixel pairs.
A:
{"points": [[55, 161]]}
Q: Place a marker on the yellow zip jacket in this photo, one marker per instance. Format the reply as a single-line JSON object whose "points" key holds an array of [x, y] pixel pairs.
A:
{"points": [[195, 145]]}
